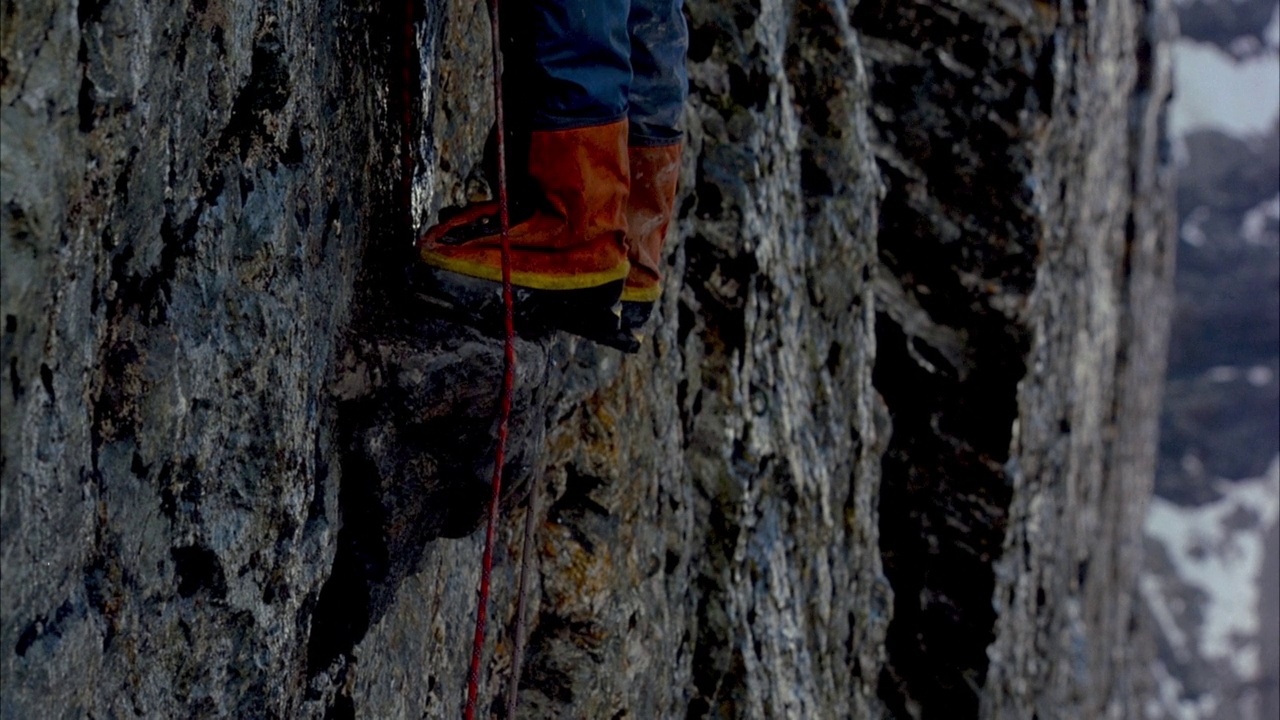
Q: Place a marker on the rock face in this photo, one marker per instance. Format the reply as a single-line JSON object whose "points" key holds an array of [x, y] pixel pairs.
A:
{"points": [[1022, 328], [885, 455]]}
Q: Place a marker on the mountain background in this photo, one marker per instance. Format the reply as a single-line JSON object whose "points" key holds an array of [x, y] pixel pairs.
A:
{"points": [[1213, 571]]}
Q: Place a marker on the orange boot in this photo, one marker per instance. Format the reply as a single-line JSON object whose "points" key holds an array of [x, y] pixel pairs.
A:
{"points": [[655, 172], [568, 258]]}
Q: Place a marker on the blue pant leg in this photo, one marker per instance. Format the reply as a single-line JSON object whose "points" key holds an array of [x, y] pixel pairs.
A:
{"points": [[659, 84], [582, 53]]}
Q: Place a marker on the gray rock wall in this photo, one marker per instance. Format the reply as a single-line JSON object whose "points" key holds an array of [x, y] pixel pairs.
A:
{"points": [[883, 455], [1026, 253], [185, 191]]}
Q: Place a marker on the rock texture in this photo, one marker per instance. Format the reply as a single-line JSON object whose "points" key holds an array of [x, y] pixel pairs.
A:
{"points": [[884, 455], [1023, 323]]}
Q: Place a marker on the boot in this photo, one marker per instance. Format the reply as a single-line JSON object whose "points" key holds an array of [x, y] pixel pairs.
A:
{"points": [[568, 258], [655, 172]]}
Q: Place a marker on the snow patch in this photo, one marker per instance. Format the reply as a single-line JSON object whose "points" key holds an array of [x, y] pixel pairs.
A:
{"points": [[1214, 91], [1223, 374], [1153, 592], [1170, 701], [1218, 549], [1253, 228], [1192, 230], [1192, 465], [1260, 376]]}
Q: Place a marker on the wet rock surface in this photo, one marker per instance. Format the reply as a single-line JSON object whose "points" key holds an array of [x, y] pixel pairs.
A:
{"points": [[881, 456]]}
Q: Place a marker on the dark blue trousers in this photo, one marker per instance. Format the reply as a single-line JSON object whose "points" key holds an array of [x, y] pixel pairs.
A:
{"points": [[591, 62]]}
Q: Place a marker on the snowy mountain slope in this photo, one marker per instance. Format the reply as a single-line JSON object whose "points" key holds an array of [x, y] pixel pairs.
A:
{"points": [[1213, 555]]}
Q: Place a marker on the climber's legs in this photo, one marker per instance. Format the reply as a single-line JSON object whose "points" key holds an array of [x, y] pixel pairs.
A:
{"points": [[581, 65], [593, 85], [659, 83], [568, 253], [659, 44]]}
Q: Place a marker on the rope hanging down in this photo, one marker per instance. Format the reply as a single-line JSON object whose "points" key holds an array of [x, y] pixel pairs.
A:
{"points": [[508, 378], [409, 63]]}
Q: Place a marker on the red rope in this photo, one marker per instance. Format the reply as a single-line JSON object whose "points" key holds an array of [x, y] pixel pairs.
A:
{"points": [[522, 593], [508, 375]]}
